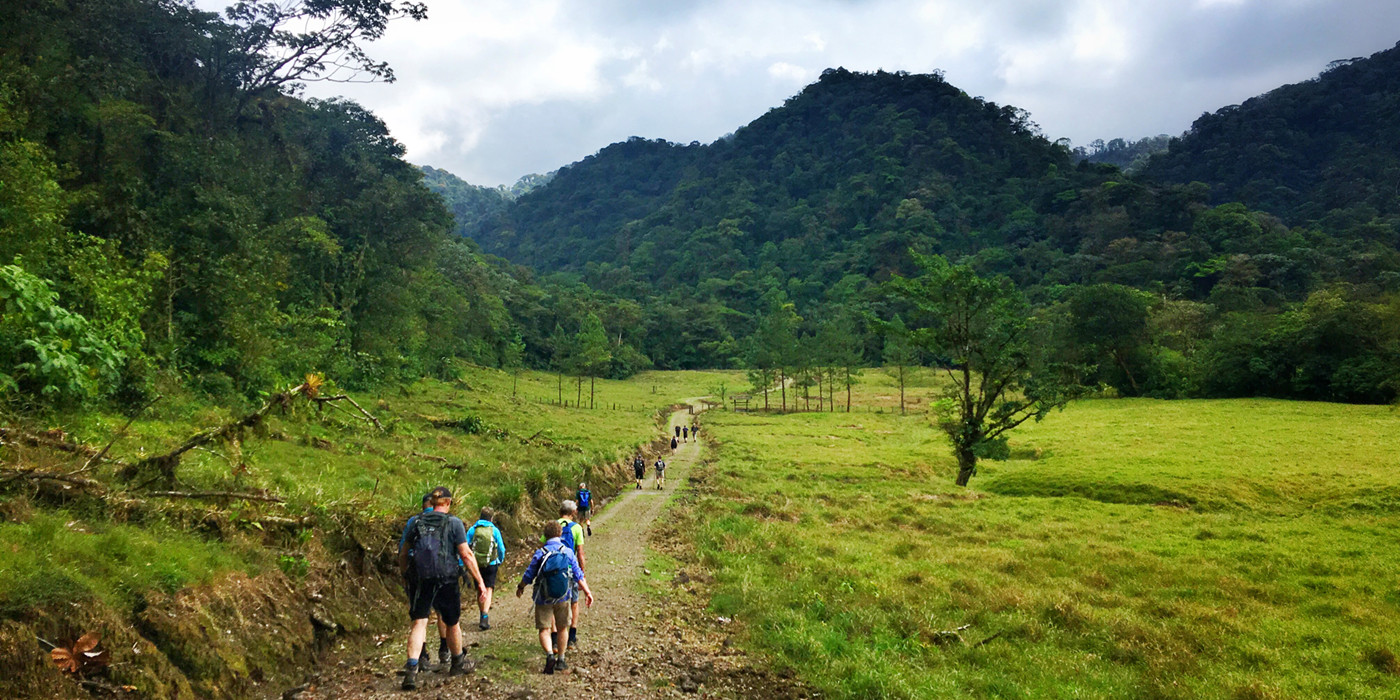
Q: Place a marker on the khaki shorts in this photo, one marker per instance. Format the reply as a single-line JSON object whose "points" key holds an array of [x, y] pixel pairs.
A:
{"points": [[555, 617]]}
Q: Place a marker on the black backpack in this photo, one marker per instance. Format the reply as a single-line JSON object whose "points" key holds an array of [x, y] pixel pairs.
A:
{"points": [[434, 555]]}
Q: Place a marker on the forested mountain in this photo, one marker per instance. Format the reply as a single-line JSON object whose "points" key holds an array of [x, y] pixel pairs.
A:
{"points": [[820, 200], [1131, 156], [1324, 151], [471, 204]]}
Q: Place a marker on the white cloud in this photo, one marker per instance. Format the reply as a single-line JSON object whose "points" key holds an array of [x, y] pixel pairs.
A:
{"points": [[783, 70]]}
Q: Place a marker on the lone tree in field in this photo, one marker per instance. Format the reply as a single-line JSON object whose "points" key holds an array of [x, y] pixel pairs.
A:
{"points": [[983, 331]]}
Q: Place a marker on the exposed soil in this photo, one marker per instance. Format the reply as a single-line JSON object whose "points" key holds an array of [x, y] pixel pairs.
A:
{"points": [[632, 644]]}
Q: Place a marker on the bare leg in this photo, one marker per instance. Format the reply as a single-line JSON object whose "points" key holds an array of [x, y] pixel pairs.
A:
{"points": [[561, 641], [454, 639], [547, 640], [416, 634], [485, 606]]}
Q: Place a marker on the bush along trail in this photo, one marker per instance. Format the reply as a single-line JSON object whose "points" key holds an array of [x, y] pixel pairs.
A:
{"points": [[645, 636]]}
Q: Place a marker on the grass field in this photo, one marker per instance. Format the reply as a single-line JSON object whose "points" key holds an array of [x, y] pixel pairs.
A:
{"points": [[320, 462], [1131, 549]]}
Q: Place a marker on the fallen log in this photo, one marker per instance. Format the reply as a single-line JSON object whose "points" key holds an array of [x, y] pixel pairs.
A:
{"points": [[214, 495], [324, 400]]}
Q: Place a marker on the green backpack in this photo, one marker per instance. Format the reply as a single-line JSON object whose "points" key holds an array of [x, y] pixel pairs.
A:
{"points": [[484, 546]]}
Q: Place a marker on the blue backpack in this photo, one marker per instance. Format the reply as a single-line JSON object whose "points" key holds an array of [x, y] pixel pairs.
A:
{"points": [[585, 499], [434, 555], [555, 578], [568, 535]]}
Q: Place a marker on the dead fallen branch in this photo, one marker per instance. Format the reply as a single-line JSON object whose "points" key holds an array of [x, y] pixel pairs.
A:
{"points": [[115, 437], [988, 639], [215, 495], [430, 458], [164, 464], [7, 475], [330, 400]]}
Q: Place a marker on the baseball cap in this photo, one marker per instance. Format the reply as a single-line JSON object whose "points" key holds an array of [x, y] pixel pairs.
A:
{"points": [[440, 492]]}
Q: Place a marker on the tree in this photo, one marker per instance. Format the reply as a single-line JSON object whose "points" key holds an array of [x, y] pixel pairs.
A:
{"points": [[560, 356], [773, 345], [899, 352], [998, 372], [512, 358], [285, 43], [1110, 320], [591, 352]]}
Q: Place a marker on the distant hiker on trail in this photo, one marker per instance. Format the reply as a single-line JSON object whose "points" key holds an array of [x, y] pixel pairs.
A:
{"points": [[674, 444], [660, 473], [557, 578], [410, 580], [439, 544], [572, 536], [695, 432], [685, 433], [585, 508], [484, 539], [678, 431], [639, 469]]}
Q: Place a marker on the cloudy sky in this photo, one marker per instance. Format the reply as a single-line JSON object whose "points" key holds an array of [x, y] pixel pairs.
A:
{"points": [[494, 89]]}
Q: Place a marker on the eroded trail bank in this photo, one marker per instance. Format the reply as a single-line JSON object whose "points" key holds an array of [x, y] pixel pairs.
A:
{"points": [[646, 636]]}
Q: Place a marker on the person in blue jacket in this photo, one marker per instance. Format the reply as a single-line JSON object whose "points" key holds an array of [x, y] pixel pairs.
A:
{"points": [[485, 542]]}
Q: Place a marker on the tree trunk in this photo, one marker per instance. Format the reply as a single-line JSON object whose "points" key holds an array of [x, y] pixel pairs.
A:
{"points": [[806, 396], [901, 390], [848, 390], [821, 392], [782, 383], [967, 464], [578, 395], [592, 382], [514, 381], [561, 388], [1118, 357]]}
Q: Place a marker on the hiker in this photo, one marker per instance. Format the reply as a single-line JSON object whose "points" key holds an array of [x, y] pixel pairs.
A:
{"points": [[484, 539], [674, 444], [660, 473], [639, 469], [572, 536], [685, 433], [554, 571], [409, 580], [678, 431], [439, 544], [695, 432], [585, 507]]}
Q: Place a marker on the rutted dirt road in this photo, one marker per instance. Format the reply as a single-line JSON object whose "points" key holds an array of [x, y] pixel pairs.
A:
{"points": [[628, 648]]}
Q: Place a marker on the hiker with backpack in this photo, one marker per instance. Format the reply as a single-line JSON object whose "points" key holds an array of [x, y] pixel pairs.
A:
{"points": [[674, 444], [585, 507], [557, 577], [685, 433], [439, 545], [639, 469], [489, 549], [678, 432], [571, 534], [410, 580], [660, 473]]}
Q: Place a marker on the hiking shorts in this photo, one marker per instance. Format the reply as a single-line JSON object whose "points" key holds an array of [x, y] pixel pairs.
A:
{"points": [[641, 473], [488, 574], [441, 594], [552, 617], [583, 514]]}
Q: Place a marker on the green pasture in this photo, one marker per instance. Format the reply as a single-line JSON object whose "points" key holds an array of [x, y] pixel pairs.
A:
{"points": [[1130, 549]]}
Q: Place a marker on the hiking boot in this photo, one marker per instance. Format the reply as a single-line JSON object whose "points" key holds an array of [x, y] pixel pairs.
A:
{"points": [[549, 662], [425, 660], [410, 677], [590, 530], [461, 665], [485, 624], [444, 654], [561, 665]]}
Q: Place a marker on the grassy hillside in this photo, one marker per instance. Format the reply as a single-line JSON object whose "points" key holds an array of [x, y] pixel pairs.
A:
{"points": [[114, 557], [1133, 549]]}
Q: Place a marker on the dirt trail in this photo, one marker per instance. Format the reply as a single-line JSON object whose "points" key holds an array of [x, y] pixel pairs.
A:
{"points": [[618, 637]]}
